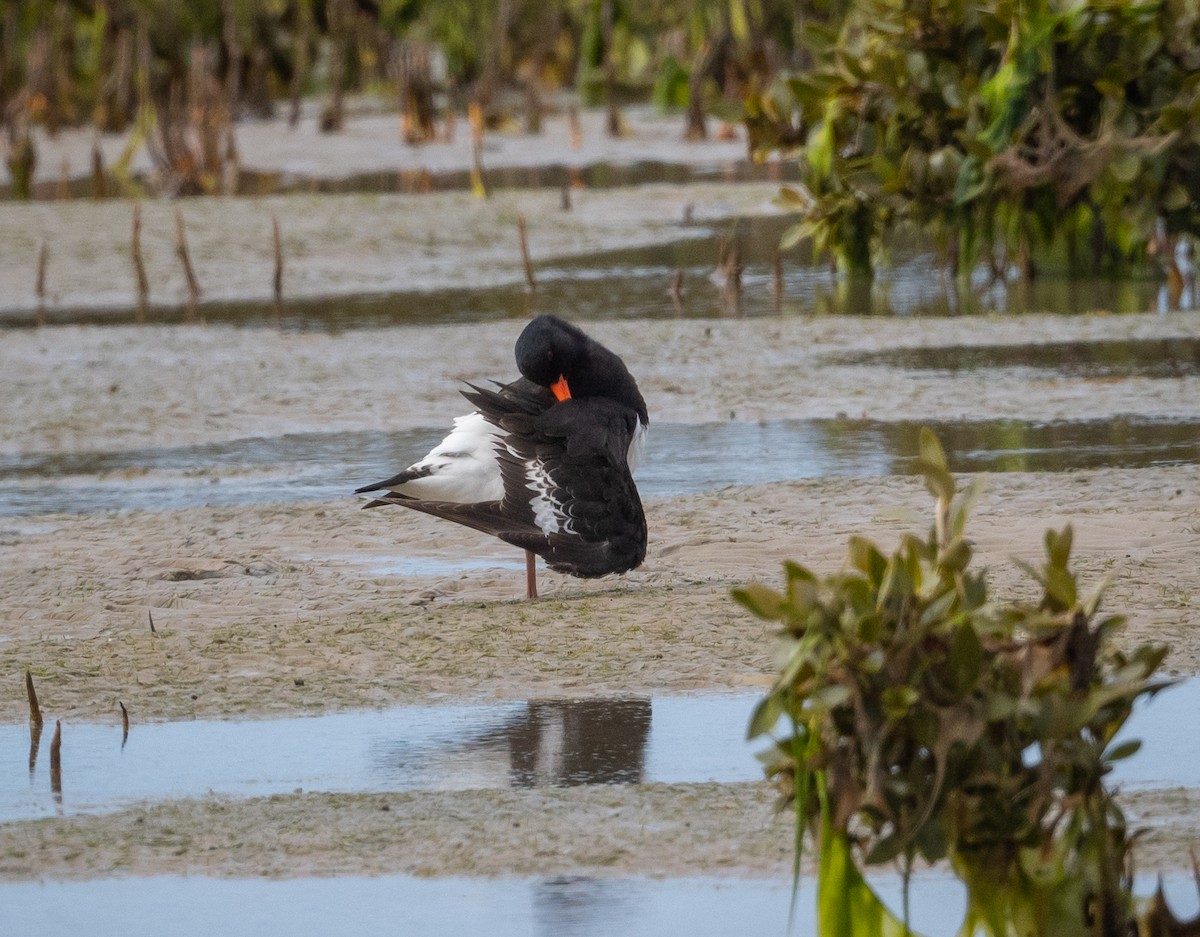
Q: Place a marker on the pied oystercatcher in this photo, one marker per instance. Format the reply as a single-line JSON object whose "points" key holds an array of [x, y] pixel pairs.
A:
{"points": [[545, 463]]}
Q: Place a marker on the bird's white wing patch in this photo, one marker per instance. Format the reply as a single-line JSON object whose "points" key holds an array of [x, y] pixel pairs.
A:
{"points": [[548, 512], [462, 467]]}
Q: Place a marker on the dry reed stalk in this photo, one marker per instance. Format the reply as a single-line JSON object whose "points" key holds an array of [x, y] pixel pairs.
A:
{"points": [[35, 711], [778, 280], [277, 280], [478, 181], [151, 614], [40, 285], [233, 163], [35, 743], [576, 128], [99, 186], [56, 760], [530, 282], [139, 267], [63, 191], [124, 723], [181, 249]]}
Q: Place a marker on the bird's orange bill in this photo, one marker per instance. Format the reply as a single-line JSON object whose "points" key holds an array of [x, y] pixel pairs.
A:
{"points": [[561, 390]]}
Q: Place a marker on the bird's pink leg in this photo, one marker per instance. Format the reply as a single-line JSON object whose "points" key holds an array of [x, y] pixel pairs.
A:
{"points": [[530, 575]]}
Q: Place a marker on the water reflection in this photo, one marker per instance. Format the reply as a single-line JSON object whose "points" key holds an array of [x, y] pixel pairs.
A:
{"points": [[581, 905], [562, 743], [558, 743], [682, 459]]}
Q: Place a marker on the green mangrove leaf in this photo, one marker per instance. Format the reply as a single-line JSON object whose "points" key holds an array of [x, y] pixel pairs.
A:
{"points": [[762, 600], [956, 556], [795, 234], [898, 700], [1124, 750], [867, 558], [1060, 588], [831, 697], [766, 715], [930, 449], [846, 905], [820, 149], [1058, 546], [791, 198]]}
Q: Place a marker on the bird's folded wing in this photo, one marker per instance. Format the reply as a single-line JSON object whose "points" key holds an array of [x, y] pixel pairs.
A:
{"points": [[568, 493]]}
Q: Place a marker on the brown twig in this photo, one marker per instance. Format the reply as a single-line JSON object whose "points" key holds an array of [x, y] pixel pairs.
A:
{"points": [[530, 281], [56, 760], [35, 711], [139, 267], [124, 723], [99, 186], [151, 614], [35, 742], [277, 281], [63, 190], [233, 163], [778, 279], [576, 128], [181, 249], [40, 285]]}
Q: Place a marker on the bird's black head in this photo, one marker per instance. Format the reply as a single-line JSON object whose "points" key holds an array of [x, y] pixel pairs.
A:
{"points": [[550, 348], [556, 354]]}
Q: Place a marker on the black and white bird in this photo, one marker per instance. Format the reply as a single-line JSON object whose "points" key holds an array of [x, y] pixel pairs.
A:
{"points": [[544, 463]]}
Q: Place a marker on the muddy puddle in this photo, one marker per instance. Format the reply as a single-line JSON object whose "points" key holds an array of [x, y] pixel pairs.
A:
{"points": [[662, 740], [680, 459], [638, 283]]}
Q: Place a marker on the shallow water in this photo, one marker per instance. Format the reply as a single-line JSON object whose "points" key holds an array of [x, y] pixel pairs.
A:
{"points": [[571, 906], [680, 459], [602, 175], [565, 906], [433, 747], [515, 744], [636, 283], [1147, 357]]}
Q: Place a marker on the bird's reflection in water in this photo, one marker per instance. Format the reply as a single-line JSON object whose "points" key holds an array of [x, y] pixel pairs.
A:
{"points": [[551, 743], [562, 743]]}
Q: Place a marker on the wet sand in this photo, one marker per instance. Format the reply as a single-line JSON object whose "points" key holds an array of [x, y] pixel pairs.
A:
{"points": [[273, 609], [658, 830]]}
